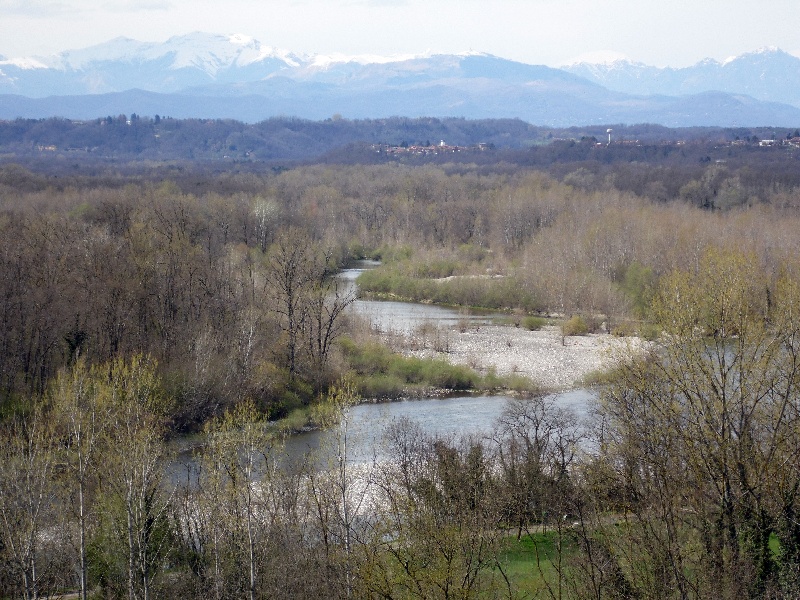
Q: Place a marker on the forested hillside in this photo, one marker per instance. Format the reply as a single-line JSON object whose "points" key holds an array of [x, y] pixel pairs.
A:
{"points": [[145, 300], [232, 144]]}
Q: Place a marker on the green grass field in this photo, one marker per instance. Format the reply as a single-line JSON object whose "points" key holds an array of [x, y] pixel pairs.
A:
{"points": [[531, 563]]}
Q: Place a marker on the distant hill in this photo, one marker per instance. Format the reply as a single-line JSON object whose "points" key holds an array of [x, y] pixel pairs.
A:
{"points": [[133, 138], [208, 76]]}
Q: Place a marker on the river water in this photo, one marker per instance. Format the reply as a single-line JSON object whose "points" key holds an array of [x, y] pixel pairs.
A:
{"points": [[403, 317], [456, 416], [452, 416]]}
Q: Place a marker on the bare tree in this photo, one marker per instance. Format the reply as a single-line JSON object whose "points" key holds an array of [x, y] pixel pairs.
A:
{"points": [[81, 417], [27, 497]]}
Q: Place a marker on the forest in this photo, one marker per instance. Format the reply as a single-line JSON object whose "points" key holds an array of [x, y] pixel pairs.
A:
{"points": [[120, 139], [144, 302]]}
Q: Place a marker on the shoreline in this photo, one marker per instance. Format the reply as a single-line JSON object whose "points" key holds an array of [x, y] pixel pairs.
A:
{"points": [[538, 355]]}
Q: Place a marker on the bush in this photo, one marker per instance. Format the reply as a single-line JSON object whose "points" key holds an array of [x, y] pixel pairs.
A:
{"points": [[380, 386], [649, 332], [442, 374], [424, 282], [532, 323], [520, 384], [624, 329], [576, 325], [295, 421]]}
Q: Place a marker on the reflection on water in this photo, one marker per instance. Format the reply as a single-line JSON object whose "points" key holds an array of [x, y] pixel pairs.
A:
{"points": [[437, 417], [440, 417]]}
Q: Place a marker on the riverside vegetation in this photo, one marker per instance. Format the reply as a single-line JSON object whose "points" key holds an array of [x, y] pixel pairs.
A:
{"points": [[135, 309]]}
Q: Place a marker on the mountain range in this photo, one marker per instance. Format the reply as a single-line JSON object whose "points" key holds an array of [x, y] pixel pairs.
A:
{"points": [[767, 74], [212, 76]]}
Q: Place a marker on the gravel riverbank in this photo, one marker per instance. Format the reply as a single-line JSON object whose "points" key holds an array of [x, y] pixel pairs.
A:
{"points": [[539, 355]]}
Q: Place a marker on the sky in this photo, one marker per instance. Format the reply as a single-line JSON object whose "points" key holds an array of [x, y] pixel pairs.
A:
{"points": [[551, 32]]}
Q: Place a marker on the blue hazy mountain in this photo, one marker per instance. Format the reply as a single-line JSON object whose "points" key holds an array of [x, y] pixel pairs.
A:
{"points": [[768, 74], [211, 76]]}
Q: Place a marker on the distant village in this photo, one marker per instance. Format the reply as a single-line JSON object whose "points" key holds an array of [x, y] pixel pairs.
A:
{"points": [[428, 149]]}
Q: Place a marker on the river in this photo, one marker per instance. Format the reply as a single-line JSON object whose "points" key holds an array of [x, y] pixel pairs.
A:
{"points": [[403, 317], [451, 416], [454, 416]]}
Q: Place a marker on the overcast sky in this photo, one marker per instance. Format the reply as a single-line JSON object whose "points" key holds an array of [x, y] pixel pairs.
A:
{"points": [[551, 32]]}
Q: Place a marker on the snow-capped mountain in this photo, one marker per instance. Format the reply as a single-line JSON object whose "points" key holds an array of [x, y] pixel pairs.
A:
{"points": [[123, 64], [204, 75], [768, 74]]}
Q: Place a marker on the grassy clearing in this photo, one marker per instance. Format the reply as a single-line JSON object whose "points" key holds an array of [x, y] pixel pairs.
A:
{"points": [[531, 562]]}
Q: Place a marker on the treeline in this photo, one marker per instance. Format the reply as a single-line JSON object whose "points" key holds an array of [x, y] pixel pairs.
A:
{"points": [[135, 138]]}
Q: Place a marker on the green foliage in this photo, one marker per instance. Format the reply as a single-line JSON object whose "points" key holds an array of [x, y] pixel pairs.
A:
{"points": [[649, 331], [382, 386], [624, 329], [575, 325], [533, 323], [341, 396], [639, 284], [477, 292], [393, 254], [381, 373], [529, 561], [519, 384], [297, 420], [291, 398]]}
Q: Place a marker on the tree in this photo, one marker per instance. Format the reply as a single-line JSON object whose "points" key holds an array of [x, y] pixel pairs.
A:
{"points": [[237, 467], [27, 498], [536, 444], [291, 270], [338, 492], [307, 301], [326, 306], [438, 533], [706, 429], [81, 415], [136, 503]]}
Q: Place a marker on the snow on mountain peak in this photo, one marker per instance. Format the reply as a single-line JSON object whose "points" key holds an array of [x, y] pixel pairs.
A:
{"points": [[763, 51], [23, 63], [601, 57], [240, 39], [322, 61], [208, 52]]}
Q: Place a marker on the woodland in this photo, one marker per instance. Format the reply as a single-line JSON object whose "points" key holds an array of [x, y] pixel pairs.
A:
{"points": [[143, 302]]}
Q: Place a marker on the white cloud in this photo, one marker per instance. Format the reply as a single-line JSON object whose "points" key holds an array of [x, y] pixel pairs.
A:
{"points": [[675, 33], [133, 6], [34, 8]]}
